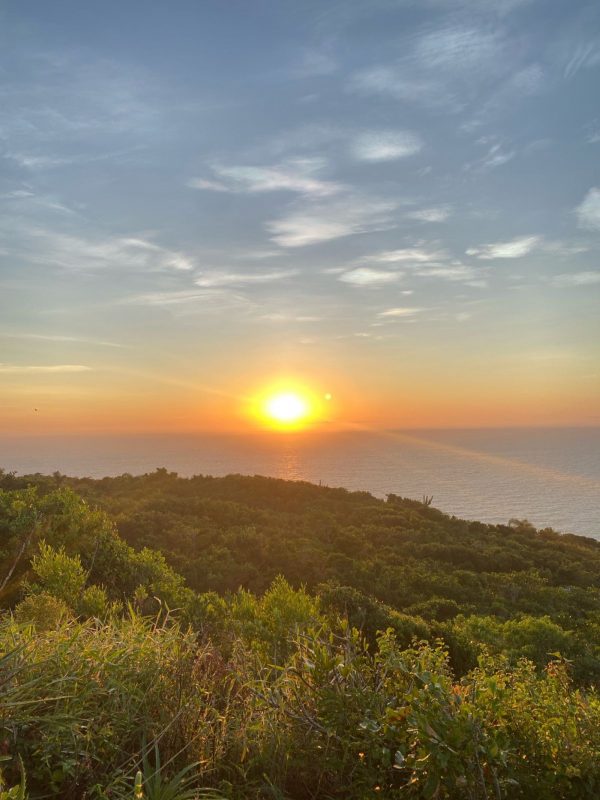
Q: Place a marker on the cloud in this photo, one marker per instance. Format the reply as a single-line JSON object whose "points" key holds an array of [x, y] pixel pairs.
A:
{"points": [[315, 63], [217, 279], [588, 211], [393, 81], [441, 68], [55, 338], [458, 49], [386, 145], [26, 201], [586, 55], [527, 81], [294, 175], [17, 194], [564, 249], [175, 298], [255, 255], [308, 137], [278, 316], [499, 7], [33, 162], [364, 276], [497, 157], [521, 83], [454, 271], [68, 251], [325, 222], [434, 214], [401, 312], [212, 186], [576, 279], [70, 108], [515, 248], [14, 369], [424, 262], [408, 255]]}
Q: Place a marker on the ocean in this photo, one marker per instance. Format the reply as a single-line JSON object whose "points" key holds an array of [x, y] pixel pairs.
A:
{"points": [[549, 476]]}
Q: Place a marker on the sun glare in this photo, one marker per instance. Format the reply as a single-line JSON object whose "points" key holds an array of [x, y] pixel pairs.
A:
{"points": [[289, 405], [287, 409]]}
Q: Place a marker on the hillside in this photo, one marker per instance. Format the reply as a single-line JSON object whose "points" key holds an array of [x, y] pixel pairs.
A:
{"points": [[238, 531], [420, 654]]}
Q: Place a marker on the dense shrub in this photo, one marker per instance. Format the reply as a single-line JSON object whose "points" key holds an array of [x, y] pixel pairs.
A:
{"points": [[398, 675]]}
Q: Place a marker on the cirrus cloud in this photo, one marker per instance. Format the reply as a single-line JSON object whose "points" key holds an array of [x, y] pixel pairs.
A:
{"points": [[36, 369], [325, 222], [588, 211], [515, 248], [386, 145], [587, 278], [364, 276]]}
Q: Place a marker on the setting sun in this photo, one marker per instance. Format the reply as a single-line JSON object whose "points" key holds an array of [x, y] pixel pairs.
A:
{"points": [[287, 408], [286, 405]]}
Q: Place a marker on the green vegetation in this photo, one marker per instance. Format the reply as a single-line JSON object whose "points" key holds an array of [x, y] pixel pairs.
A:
{"points": [[172, 639]]}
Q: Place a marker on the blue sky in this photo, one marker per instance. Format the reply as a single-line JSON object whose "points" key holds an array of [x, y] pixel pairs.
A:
{"points": [[396, 201]]}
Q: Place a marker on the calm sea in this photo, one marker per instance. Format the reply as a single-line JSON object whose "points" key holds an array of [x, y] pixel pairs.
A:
{"points": [[549, 476]]}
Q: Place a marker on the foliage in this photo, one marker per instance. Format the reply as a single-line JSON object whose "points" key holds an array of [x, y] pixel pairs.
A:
{"points": [[325, 645], [95, 687]]}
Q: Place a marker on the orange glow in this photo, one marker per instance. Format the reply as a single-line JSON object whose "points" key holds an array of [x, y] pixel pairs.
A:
{"points": [[339, 396], [286, 406]]}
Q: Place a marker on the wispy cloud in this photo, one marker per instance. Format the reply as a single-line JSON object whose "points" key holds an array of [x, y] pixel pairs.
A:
{"points": [[295, 175], [452, 271], [71, 108], [18, 369], [576, 279], [401, 312], [429, 263], [409, 255], [441, 68], [315, 63], [209, 185], [564, 249], [588, 211], [81, 254], [458, 49], [24, 200], [279, 316], [33, 162], [585, 55], [209, 298], [496, 157], [499, 7], [56, 338], [515, 248], [325, 222], [365, 276], [218, 279], [386, 145], [518, 85], [434, 214], [393, 81]]}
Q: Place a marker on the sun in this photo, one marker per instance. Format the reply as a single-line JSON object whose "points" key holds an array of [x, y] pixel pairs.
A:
{"points": [[286, 409], [289, 405], [286, 405]]}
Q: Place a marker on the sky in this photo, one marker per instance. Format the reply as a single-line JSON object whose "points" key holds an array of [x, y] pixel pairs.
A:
{"points": [[393, 203]]}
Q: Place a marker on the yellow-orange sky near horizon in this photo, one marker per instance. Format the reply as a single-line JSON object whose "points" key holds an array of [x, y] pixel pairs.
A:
{"points": [[146, 402]]}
